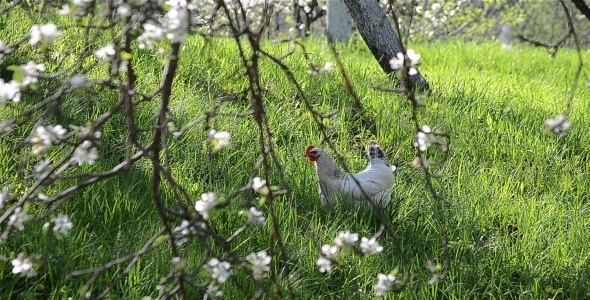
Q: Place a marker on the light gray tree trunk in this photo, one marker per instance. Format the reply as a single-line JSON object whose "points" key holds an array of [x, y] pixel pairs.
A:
{"points": [[338, 21], [374, 27]]}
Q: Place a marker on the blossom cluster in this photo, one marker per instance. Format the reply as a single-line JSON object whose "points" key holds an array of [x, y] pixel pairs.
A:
{"points": [[26, 75], [384, 284], [367, 246], [44, 34], [560, 125], [426, 137], [23, 265], [437, 17], [209, 201], [409, 60], [61, 225], [330, 253], [174, 25], [220, 271], [219, 139], [185, 230], [18, 218], [328, 67]]}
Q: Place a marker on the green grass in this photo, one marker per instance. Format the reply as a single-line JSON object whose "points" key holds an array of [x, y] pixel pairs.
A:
{"points": [[504, 170]]}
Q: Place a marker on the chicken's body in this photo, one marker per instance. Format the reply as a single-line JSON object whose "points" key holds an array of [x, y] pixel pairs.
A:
{"points": [[376, 180]]}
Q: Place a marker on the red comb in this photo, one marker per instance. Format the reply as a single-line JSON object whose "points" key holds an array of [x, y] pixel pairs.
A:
{"points": [[309, 149]]}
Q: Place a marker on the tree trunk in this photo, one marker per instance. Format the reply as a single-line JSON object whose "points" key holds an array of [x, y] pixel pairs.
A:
{"points": [[374, 27], [582, 7]]}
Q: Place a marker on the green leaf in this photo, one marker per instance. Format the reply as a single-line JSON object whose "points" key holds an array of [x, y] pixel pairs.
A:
{"points": [[161, 239], [18, 73], [126, 56]]}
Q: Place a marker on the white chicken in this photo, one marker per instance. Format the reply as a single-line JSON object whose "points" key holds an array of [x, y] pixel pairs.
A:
{"points": [[376, 180]]}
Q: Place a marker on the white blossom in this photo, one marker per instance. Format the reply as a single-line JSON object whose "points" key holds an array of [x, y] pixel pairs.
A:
{"points": [[213, 290], [255, 217], [3, 50], [417, 162], [330, 251], [124, 10], [46, 33], [161, 52], [151, 33], [185, 231], [23, 265], [122, 66], [560, 125], [85, 132], [384, 284], [397, 62], [176, 261], [370, 246], [326, 68], [80, 81], [4, 197], [105, 54], [65, 10], [9, 91], [259, 185], [413, 57], [219, 139], [30, 73], [83, 4], [346, 239], [260, 263], [61, 225], [176, 21], [410, 60], [85, 153], [329, 255], [219, 270], [18, 218], [424, 138], [325, 264], [178, 264], [207, 203]]}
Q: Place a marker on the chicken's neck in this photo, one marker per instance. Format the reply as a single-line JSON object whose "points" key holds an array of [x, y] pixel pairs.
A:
{"points": [[327, 169]]}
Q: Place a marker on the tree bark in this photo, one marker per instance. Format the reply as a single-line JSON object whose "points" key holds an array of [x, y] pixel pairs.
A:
{"points": [[374, 27]]}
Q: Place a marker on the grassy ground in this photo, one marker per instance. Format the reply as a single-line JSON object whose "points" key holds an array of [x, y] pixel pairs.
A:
{"points": [[504, 170]]}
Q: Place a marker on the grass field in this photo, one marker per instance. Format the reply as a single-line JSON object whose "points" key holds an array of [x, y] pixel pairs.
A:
{"points": [[505, 170]]}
